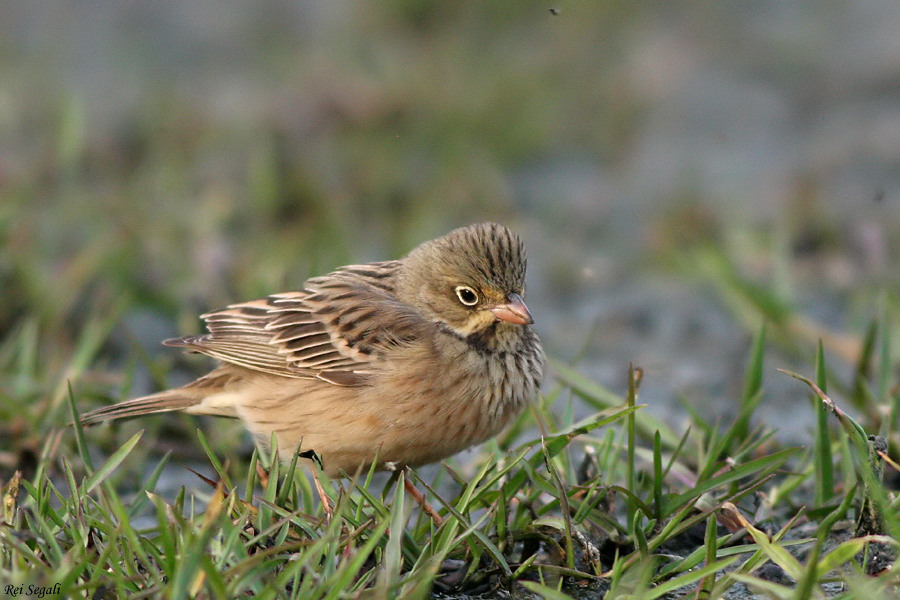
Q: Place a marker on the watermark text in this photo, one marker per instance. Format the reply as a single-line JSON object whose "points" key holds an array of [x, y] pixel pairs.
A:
{"points": [[35, 591]]}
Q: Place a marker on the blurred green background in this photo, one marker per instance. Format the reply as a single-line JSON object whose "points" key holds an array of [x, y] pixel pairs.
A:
{"points": [[159, 159]]}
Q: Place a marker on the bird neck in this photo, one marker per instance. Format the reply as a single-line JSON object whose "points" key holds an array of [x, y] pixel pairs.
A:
{"points": [[496, 338]]}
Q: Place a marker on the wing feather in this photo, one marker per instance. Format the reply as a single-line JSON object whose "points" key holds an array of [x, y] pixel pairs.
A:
{"points": [[337, 328]]}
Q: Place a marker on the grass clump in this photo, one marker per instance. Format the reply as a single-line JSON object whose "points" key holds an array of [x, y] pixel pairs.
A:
{"points": [[614, 505]]}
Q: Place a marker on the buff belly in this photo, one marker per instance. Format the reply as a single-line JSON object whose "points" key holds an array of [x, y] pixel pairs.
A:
{"points": [[351, 427]]}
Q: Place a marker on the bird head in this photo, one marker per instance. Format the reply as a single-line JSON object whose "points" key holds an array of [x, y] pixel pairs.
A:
{"points": [[472, 280]]}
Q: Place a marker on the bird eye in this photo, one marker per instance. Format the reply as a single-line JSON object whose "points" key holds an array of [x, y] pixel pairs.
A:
{"points": [[466, 295]]}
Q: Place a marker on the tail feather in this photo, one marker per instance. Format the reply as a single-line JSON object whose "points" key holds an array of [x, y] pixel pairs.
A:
{"points": [[169, 400]]}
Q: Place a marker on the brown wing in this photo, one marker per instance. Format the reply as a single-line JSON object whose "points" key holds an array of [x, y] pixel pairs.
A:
{"points": [[336, 329]]}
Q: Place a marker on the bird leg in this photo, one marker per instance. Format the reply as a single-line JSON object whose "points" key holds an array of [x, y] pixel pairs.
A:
{"points": [[327, 508], [420, 499]]}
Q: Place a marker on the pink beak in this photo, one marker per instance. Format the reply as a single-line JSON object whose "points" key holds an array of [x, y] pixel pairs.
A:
{"points": [[514, 311]]}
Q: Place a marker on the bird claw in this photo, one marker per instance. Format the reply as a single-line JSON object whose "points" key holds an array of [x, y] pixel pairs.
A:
{"points": [[313, 456]]}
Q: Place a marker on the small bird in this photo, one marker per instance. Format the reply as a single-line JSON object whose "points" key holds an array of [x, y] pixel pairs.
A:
{"points": [[405, 361]]}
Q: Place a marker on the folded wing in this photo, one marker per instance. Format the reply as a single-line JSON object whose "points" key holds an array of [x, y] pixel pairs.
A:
{"points": [[337, 329]]}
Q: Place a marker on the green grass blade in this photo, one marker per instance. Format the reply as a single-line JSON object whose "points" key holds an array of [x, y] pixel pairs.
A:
{"points": [[823, 460], [111, 464]]}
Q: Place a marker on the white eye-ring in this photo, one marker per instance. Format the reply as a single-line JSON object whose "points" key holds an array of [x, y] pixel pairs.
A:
{"points": [[466, 295]]}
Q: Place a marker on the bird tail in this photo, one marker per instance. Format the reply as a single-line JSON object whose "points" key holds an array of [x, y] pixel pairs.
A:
{"points": [[178, 399]]}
